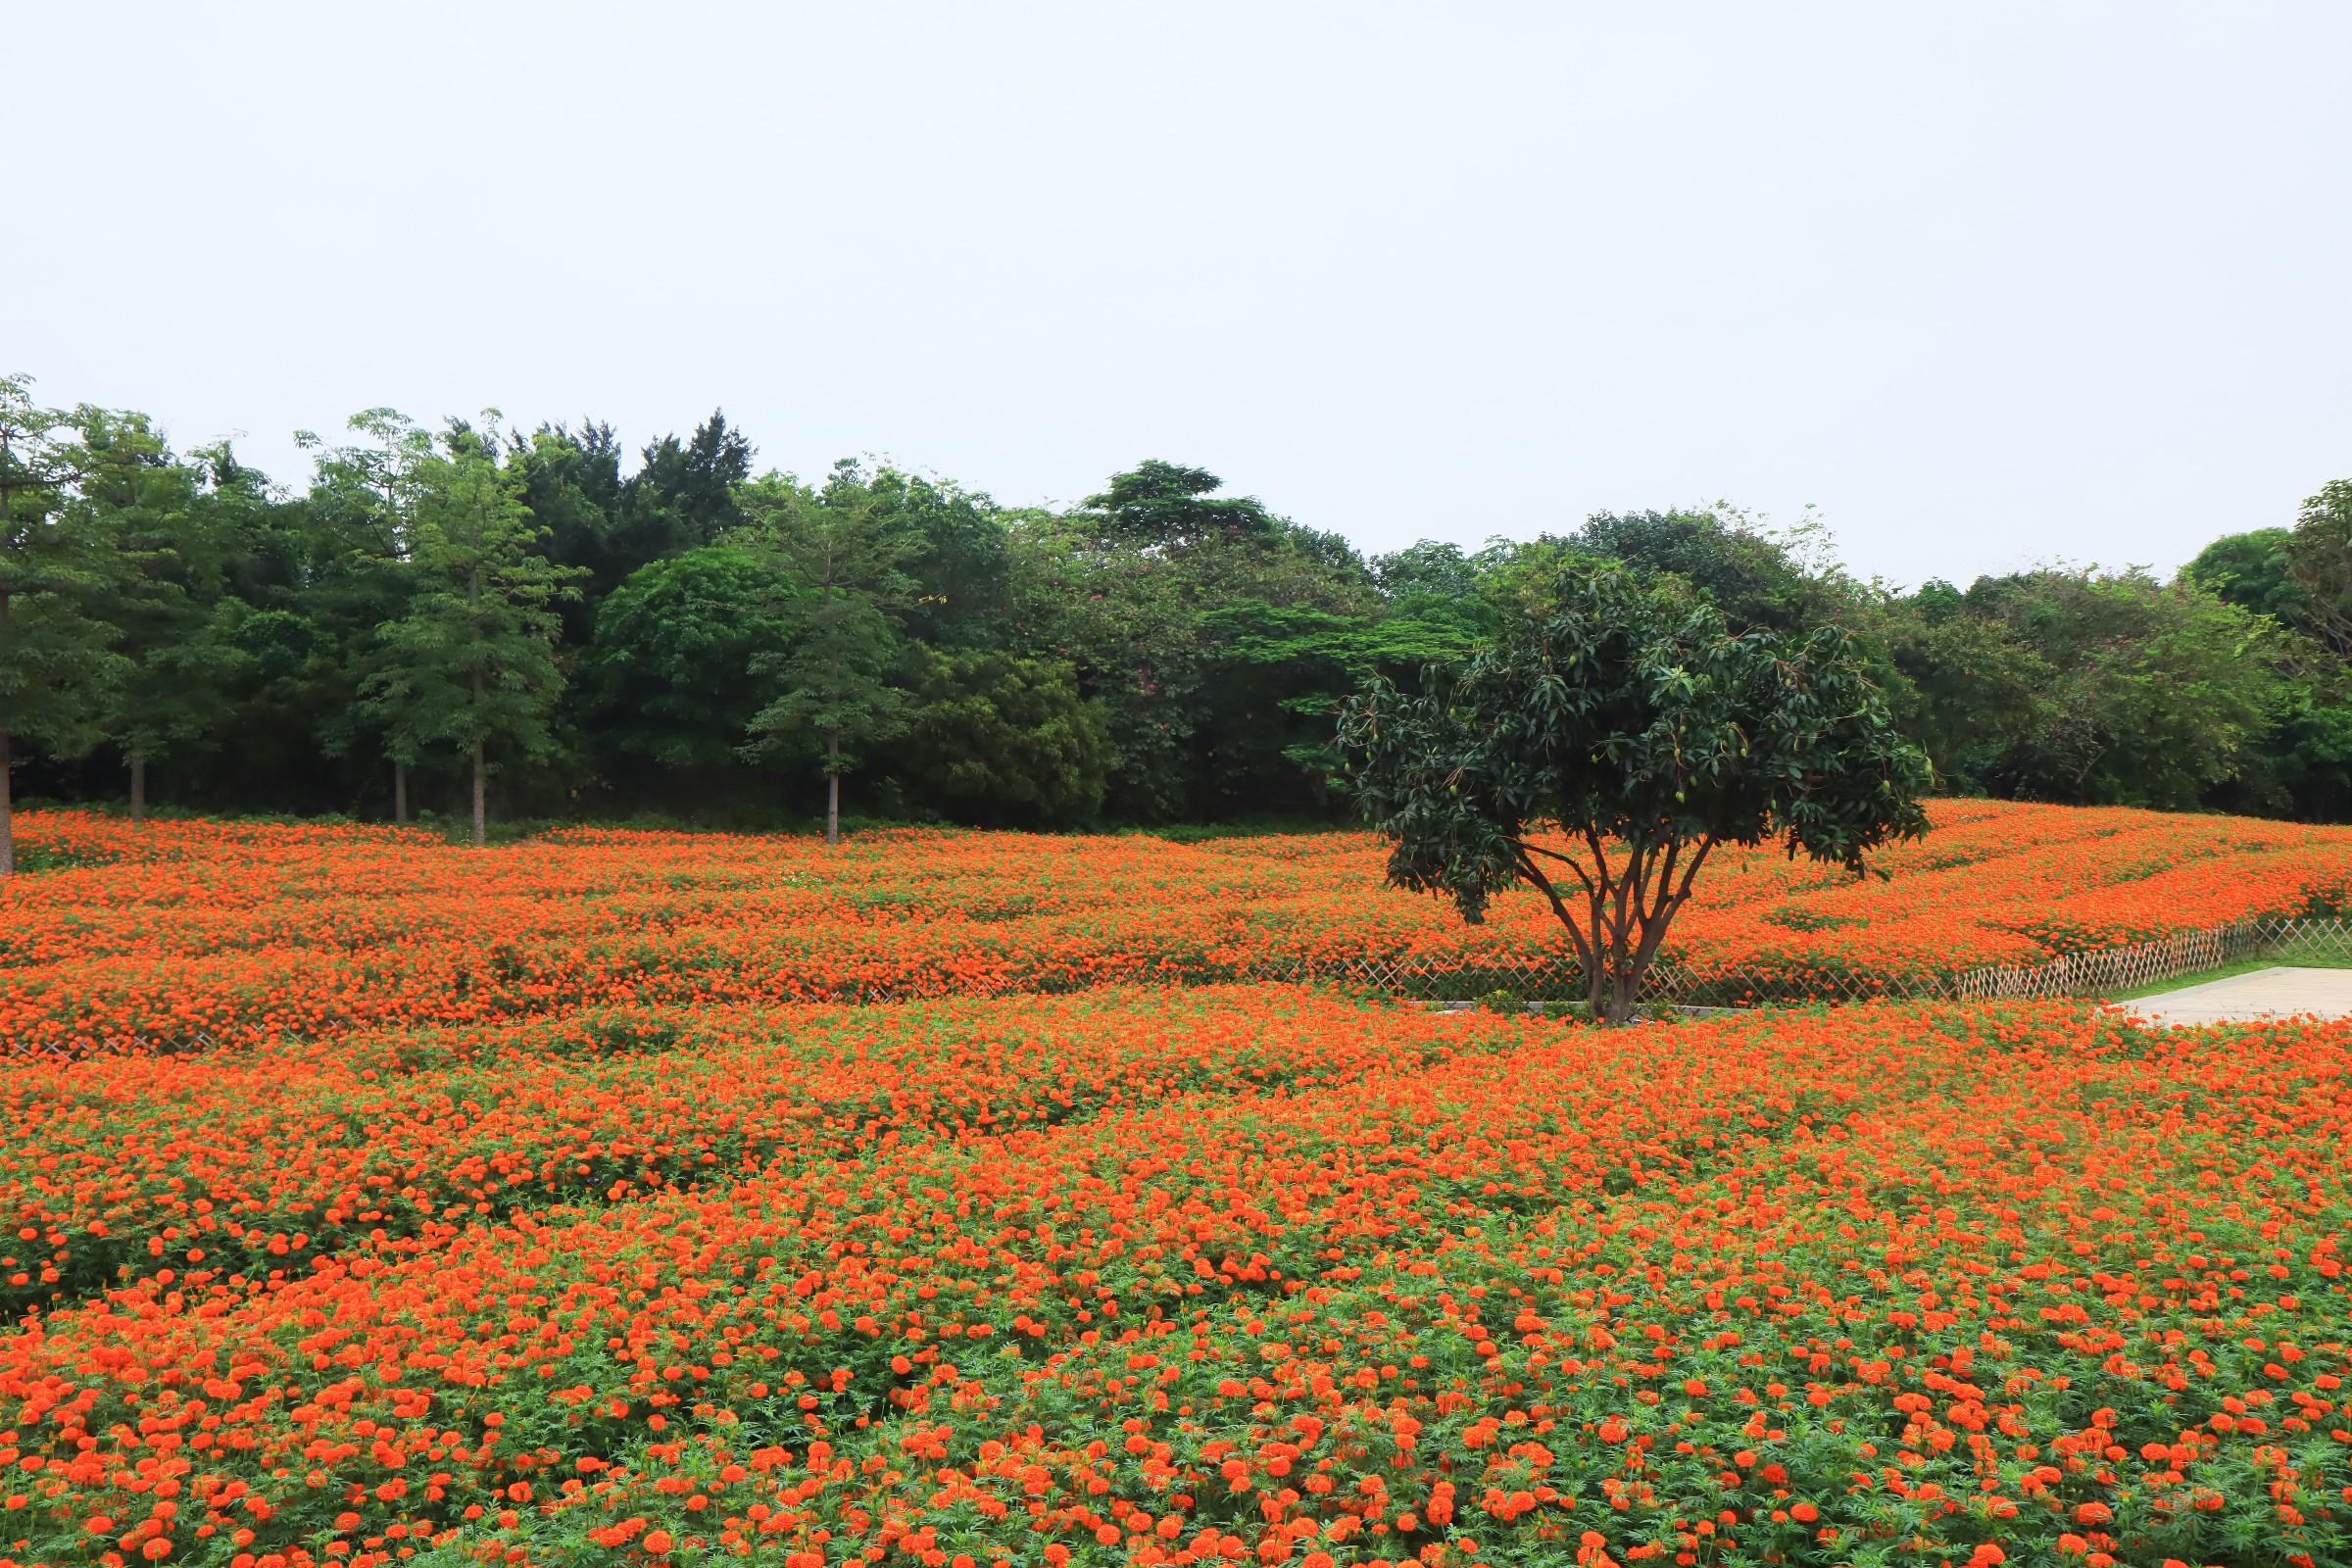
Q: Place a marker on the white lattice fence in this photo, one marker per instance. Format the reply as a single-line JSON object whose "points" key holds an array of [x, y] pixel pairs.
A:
{"points": [[2105, 970]]}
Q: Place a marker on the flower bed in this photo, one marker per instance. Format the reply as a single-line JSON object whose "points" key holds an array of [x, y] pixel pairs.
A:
{"points": [[259, 932], [1242, 1274]]}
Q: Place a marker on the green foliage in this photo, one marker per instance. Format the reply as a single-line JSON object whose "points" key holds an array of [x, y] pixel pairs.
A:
{"points": [[470, 663], [996, 740], [956, 560], [2255, 572], [685, 493], [58, 666], [1961, 684], [1163, 506], [1630, 722], [670, 672], [842, 557], [2319, 554], [279, 650], [1215, 634], [2151, 694], [167, 544], [1750, 578]]}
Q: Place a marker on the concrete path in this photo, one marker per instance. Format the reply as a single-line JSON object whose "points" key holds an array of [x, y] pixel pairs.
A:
{"points": [[2243, 998]]}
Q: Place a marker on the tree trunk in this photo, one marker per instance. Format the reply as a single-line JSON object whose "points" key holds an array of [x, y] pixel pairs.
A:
{"points": [[833, 787], [476, 592], [399, 792], [138, 789]]}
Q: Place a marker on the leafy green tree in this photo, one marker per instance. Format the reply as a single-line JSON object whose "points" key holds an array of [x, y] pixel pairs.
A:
{"points": [[58, 666], [1437, 577], [1606, 741], [167, 544], [2254, 571], [2318, 553], [1779, 578], [2303, 764], [957, 565], [472, 662], [364, 499], [1165, 505], [1137, 589], [2154, 693], [1262, 744], [842, 559], [307, 578], [1963, 685], [994, 739], [670, 670]]}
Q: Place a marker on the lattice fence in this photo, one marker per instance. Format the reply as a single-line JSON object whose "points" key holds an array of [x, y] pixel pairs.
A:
{"points": [[195, 1045], [2143, 963]]}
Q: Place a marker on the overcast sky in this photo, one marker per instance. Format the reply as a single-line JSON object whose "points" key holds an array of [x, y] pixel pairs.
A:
{"points": [[1988, 284]]}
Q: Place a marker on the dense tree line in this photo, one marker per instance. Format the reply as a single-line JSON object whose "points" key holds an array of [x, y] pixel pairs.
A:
{"points": [[484, 621]]}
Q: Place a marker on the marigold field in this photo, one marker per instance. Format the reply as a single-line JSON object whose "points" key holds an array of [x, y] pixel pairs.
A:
{"points": [[252, 933], [559, 1204]]}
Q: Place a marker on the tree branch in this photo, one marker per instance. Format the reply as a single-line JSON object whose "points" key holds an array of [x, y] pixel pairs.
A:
{"points": [[1530, 870]]}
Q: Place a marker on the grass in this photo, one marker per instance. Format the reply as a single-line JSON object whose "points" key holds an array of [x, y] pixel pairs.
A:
{"points": [[2298, 956]]}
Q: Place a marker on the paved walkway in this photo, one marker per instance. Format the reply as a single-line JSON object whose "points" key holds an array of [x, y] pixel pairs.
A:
{"points": [[2243, 998]]}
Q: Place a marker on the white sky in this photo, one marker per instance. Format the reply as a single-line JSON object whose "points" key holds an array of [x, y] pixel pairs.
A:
{"points": [[1989, 284]]}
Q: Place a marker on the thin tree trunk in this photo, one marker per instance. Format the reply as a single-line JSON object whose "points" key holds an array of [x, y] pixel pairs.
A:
{"points": [[475, 592], [473, 601], [399, 792], [833, 787], [138, 789]]}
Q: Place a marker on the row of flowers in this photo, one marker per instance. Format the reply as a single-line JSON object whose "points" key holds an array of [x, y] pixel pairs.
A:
{"points": [[222, 1172]]}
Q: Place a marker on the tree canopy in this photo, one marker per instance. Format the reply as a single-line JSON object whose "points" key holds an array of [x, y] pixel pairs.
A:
{"points": [[1605, 740]]}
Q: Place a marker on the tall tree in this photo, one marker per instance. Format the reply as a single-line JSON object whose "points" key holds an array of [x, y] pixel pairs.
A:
{"points": [[2151, 694], [166, 553], [1752, 577], [843, 561], [1138, 590], [472, 663], [1169, 505], [57, 661], [363, 505], [2319, 551], [1603, 743]]}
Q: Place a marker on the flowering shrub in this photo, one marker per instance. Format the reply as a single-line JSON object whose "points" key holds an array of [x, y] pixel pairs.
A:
{"points": [[1140, 1278], [259, 932]]}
